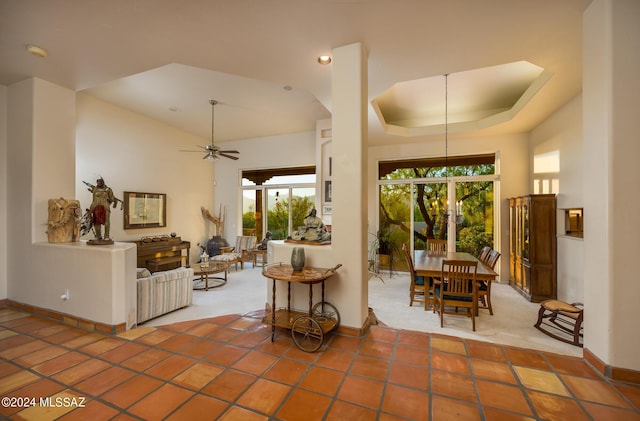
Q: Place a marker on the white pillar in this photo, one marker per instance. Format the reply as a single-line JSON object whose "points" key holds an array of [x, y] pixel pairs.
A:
{"points": [[611, 98], [349, 150], [3, 193]]}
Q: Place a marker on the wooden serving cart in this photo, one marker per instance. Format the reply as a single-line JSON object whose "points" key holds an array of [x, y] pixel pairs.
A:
{"points": [[307, 327]]}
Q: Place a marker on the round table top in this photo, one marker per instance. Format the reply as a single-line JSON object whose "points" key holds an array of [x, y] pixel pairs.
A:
{"points": [[283, 272], [214, 267]]}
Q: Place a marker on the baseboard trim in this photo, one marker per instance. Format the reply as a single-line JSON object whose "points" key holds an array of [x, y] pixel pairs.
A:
{"points": [[354, 331], [67, 319], [614, 373]]}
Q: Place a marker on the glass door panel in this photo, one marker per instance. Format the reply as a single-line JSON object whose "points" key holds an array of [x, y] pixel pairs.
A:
{"points": [[302, 201], [474, 216], [252, 213], [278, 213], [415, 212], [395, 224], [429, 216]]}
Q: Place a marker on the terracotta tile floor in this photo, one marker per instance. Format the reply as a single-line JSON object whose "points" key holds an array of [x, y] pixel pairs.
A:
{"points": [[227, 368]]}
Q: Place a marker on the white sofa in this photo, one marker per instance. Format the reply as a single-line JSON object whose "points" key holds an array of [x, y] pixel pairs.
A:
{"points": [[162, 292]]}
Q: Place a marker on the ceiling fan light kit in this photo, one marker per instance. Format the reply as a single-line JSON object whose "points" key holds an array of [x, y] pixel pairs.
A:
{"points": [[37, 51], [213, 153]]}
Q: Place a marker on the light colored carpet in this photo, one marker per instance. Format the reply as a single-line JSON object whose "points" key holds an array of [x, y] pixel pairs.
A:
{"points": [[512, 323], [244, 292]]}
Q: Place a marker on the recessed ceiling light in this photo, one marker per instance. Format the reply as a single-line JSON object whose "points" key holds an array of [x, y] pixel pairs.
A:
{"points": [[324, 59], [37, 51], [287, 87]]}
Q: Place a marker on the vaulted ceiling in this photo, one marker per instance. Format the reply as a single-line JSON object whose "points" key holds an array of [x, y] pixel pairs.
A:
{"points": [[510, 64]]}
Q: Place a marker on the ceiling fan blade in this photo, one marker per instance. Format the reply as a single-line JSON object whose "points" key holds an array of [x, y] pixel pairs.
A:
{"points": [[230, 151], [228, 156]]}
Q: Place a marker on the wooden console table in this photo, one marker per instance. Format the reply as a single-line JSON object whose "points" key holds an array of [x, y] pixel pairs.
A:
{"points": [[163, 255]]}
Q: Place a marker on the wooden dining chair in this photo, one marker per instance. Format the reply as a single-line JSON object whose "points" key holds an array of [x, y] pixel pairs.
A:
{"points": [[456, 288], [436, 245], [484, 288], [484, 253], [418, 292], [492, 259]]}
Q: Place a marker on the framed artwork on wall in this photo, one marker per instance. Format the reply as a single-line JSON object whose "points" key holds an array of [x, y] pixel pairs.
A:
{"points": [[327, 191], [145, 210]]}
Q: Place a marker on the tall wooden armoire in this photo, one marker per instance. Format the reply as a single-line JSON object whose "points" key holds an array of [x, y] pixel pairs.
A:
{"points": [[532, 246]]}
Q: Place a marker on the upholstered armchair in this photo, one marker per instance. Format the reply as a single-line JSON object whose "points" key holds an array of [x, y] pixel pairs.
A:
{"points": [[238, 254]]}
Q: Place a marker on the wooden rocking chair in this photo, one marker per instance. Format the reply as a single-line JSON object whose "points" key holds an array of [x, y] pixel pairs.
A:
{"points": [[563, 317]]}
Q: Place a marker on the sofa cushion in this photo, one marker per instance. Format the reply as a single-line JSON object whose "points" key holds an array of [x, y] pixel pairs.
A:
{"points": [[227, 257]]}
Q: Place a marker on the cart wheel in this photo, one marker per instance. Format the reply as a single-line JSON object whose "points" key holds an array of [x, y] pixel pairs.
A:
{"points": [[326, 310], [307, 334]]}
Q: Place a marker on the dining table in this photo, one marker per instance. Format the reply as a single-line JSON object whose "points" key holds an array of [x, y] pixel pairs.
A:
{"points": [[429, 264]]}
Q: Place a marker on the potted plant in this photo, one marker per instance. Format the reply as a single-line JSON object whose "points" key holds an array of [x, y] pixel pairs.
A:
{"points": [[381, 250]]}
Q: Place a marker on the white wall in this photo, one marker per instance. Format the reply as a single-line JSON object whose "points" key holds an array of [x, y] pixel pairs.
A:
{"points": [[40, 166], [135, 153], [514, 169], [563, 132], [315, 256], [611, 64], [52, 167], [3, 192], [624, 181], [283, 151]]}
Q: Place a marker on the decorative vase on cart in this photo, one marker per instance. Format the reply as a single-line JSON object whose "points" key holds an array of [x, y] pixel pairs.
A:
{"points": [[297, 259]]}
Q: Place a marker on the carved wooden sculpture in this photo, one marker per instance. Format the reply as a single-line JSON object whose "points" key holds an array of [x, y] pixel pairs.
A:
{"points": [[64, 221], [218, 221]]}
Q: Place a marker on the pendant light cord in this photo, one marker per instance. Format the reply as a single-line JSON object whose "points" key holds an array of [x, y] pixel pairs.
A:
{"points": [[446, 125], [446, 137]]}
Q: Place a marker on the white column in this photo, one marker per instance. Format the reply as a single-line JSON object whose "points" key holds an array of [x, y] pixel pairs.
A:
{"points": [[611, 98], [3, 193], [349, 149]]}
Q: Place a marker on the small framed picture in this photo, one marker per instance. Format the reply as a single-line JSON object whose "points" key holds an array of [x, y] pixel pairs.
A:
{"points": [[327, 191], [326, 210]]}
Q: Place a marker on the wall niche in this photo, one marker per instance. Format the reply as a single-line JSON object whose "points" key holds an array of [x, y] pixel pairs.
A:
{"points": [[573, 222]]}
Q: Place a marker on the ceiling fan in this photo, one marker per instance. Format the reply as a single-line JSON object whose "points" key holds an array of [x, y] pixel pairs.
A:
{"points": [[212, 152]]}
